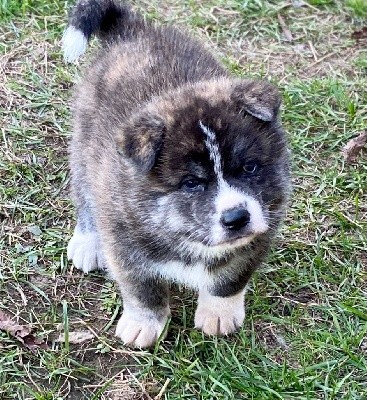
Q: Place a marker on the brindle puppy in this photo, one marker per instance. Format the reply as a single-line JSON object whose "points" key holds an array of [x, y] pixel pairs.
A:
{"points": [[180, 172]]}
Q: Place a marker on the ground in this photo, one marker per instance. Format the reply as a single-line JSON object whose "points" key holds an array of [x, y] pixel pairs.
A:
{"points": [[305, 335]]}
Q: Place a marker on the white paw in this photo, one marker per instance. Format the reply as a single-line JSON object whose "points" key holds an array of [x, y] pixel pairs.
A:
{"points": [[215, 323], [219, 315], [138, 332], [83, 250]]}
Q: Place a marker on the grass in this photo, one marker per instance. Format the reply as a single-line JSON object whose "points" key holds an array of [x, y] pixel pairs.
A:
{"points": [[305, 335]]}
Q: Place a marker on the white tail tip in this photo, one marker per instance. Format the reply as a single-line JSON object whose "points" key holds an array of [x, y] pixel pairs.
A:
{"points": [[74, 44]]}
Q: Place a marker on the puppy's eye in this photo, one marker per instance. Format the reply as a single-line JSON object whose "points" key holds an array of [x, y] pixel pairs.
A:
{"points": [[192, 184], [250, 168]]}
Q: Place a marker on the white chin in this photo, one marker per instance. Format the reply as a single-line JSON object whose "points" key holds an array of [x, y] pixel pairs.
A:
{"points": [[220, 248], [231, 244]]}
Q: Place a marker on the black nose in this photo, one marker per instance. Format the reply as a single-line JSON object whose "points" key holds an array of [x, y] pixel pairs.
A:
{"points": [[235, 218]]}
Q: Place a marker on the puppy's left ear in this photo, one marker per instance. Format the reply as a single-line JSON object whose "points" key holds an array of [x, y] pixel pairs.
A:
{"points": [[141, 140], [261, 99]]}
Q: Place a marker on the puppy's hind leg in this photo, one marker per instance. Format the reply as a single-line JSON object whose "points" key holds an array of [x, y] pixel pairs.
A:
{"points": [[84, 248]]}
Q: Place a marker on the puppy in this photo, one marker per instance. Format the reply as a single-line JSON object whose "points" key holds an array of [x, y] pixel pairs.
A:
{"points": [[179, 171]]}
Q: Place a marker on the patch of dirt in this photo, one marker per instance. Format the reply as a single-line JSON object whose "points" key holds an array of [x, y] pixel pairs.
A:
{"points": [[271, 338]]}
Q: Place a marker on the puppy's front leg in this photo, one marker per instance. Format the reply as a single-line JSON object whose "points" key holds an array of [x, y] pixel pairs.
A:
{"points": [[219, 315], [145, 311]]}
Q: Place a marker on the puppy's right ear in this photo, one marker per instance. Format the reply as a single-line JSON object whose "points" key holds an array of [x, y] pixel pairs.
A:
{"points": [[259, 98], [141, 140]]}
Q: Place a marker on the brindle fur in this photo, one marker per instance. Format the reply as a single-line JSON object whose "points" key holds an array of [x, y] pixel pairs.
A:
{"points": [[136, 134]]}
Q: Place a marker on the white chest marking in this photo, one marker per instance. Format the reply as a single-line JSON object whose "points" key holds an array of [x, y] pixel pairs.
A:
{"points": [[195, 276]]}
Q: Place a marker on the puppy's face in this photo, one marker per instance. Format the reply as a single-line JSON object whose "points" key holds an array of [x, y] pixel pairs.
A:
{"points": [[213, 168]]}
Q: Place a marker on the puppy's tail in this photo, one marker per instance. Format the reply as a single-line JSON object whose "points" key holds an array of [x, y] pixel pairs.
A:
{"points": [[107, 19]]}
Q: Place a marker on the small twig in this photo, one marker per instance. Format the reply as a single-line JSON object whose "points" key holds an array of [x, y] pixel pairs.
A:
{"points": [[322, 59], [313, 51], [139, 384], [97, 336], [164, 387], [224, 11], [22, 295], [286, 32]]}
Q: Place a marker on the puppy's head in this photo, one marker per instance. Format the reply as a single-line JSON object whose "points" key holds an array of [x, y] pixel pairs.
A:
{"points": [[211, 165]]}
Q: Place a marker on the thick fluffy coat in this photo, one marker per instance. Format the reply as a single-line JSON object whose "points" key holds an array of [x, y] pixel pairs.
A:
{"points": [[179, 171]]}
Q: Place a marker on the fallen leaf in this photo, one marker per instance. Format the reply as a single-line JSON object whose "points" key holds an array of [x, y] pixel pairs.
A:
{"points": [[353, 147], [32, 342], [76, 337], [20, 332], [10, 326]]}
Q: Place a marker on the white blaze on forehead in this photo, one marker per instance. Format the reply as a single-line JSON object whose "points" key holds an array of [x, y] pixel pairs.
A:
{"points": [[230, 197], [212, 145]]}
